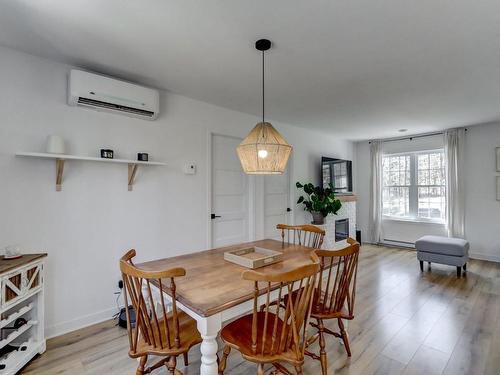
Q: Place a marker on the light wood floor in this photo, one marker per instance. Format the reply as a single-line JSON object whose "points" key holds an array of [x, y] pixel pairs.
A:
{"points": [[406, 323]]}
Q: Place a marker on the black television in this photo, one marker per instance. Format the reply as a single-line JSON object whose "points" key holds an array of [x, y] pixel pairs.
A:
{"points": [[338, 172]]}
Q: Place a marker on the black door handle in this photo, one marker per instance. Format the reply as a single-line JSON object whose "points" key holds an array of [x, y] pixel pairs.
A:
{"points": [[288, 209], [213, 216]]}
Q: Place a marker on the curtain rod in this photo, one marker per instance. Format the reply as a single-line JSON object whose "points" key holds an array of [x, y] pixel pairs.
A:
{"points": [[410, 137]]}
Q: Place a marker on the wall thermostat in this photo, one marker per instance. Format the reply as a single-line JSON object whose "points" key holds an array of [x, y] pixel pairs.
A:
{"points": [[190, 168]]}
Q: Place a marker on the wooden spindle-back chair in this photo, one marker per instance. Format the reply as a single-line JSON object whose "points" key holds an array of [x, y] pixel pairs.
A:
{"points": [[304, 235], [276, 333], [335, 299], [156, 331]]}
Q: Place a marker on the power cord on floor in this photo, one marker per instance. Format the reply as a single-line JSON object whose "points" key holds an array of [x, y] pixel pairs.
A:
{"points": [[118, 295]]}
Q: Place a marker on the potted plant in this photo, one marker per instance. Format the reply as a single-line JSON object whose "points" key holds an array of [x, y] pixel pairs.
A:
{"points": [[319, 201]]}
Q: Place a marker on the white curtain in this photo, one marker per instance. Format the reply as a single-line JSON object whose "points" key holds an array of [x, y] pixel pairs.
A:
{"points": [[454, 143], [376, 192]]}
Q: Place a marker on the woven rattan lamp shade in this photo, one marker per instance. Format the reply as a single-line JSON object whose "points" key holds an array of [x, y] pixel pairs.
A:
{"points": [[264, 151]]}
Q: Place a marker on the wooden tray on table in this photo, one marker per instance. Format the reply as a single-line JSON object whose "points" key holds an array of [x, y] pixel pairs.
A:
{"points": [[253, 257]]}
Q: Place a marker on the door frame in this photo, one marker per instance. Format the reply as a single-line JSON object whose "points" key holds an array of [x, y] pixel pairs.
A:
{"points": [[291, 189], [251, 202], [261, 202]]}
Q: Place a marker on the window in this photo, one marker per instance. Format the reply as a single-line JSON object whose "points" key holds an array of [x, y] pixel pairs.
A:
{"points": [[397, 181], [414, 186], [431, 185]]}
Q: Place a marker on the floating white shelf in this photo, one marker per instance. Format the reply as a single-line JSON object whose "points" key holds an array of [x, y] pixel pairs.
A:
{"points": [[61, 158], [44, 155]]}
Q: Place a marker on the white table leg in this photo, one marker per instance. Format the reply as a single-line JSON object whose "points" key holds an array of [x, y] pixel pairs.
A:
{"points": [[209, 328]]}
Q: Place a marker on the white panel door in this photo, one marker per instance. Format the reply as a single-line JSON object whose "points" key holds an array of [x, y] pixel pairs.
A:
{"points": [[276, 203], [230, 193]]}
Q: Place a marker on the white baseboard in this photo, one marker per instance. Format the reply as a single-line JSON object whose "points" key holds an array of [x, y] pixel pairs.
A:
{"points": [[397, 243], [59, 329], [391, 243], [483, 256]]}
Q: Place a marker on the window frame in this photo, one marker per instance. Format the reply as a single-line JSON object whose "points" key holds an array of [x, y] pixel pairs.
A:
{"points": [[413, 188]]}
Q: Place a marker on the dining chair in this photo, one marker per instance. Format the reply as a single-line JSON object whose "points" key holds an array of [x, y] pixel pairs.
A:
{"points": [[335, 300], [276, 334], [157, 333], [305, 235]]}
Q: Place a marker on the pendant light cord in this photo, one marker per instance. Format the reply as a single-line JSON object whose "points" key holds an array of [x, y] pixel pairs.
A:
{"points": [[263, 91]]}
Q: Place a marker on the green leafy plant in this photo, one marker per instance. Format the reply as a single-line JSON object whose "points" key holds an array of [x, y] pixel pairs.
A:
{"points": [[319, 199]]}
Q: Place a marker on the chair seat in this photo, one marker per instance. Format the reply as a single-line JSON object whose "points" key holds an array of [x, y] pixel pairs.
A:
{"points": [[238, 334], [318, 312], [188, 332]]}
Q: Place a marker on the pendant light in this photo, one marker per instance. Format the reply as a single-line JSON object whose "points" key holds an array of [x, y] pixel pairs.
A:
{"points": [[264, 150]]}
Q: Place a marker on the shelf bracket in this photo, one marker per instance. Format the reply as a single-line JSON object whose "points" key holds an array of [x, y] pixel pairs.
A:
{"points": [[132, 169], [59, 173]]}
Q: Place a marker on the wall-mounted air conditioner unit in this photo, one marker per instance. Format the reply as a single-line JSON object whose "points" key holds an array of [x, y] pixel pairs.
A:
{"points": [[112, 95]]}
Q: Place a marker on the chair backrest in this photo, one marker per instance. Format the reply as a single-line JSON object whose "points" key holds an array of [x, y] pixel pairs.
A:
{"points": [[305, 235], [340, 268], [161, 335], [277, 329]]}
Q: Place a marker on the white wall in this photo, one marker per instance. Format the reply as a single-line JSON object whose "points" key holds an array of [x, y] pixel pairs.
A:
{"points": [[361, 187], [87, 226], [482, 211]]}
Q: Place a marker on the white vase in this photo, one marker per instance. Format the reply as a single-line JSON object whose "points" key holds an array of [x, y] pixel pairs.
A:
{"points": [[318, 218], [55, 145]]}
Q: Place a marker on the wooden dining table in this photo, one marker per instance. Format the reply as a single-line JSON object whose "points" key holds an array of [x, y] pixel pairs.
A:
{"points": [[213, 292]]}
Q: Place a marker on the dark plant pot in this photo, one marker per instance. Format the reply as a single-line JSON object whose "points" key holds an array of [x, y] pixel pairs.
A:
{"points": [[318, 218]]}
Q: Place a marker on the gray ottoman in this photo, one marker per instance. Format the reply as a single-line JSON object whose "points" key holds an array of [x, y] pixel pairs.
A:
{"points": [[443, 250]]}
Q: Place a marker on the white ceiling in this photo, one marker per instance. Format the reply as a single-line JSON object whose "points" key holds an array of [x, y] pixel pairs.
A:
{"points": [[360, 68]]}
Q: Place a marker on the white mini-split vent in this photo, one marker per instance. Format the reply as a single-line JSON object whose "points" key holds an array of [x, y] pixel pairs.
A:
{"points": [[112, 95], [97, 103]]}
